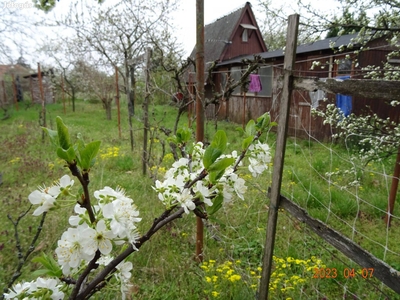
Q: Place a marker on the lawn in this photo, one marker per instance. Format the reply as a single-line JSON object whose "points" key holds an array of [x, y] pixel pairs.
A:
{"points": [[165, 267]]}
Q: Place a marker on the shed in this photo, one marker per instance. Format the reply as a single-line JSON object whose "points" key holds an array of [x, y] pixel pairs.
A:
{"points": [[35, 87], [233, 35], [319, 59]]}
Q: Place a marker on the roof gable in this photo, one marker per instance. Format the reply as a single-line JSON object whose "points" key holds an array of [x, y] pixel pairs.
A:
{"points": [[221, 35], [8, 69]]}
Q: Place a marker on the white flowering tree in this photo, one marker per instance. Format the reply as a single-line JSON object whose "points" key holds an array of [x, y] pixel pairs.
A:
{"points": [[374, 137], [93, 252]]}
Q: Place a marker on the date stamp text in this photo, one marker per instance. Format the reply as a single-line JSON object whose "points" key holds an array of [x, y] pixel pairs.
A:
{"points": [[322, 273]]}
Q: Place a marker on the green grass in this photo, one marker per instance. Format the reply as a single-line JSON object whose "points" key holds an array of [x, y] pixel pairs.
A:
{"points": [[165, 268]]}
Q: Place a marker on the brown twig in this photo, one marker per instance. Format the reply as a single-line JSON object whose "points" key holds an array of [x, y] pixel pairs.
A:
{"points": [[21, 257], [84, 180]]}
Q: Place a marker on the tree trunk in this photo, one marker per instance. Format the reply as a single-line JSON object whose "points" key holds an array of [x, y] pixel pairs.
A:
{"points": [[73, 99], [129, 97], [107, 107]]}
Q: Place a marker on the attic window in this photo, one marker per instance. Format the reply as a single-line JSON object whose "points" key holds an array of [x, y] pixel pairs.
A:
{"points": [[245, 35], [246, 29]]}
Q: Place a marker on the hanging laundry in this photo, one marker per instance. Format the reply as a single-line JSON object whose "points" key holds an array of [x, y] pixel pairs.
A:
{"points": [[255, 85], [344, 102]]}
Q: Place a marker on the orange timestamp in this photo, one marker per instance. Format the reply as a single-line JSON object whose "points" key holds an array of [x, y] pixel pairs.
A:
{"points": [[323, 273]]}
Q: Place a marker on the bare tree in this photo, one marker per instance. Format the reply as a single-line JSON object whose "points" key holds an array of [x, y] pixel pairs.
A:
{"points": [[119, 35], [14, 27], [64, 58], [94, 82]]}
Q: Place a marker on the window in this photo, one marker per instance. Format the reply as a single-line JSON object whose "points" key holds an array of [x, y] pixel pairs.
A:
{"points": [[245, 35], [344, 66], [265, 73], [247, 31], [236, 74]]}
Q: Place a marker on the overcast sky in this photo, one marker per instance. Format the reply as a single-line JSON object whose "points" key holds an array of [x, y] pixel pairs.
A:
{"points": [[184, 18]]}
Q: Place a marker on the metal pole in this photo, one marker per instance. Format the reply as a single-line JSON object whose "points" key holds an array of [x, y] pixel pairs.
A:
{"points": [[199, 106], [290, 56]]}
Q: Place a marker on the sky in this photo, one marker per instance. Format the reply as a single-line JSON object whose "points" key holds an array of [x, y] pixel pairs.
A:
{"points": [[213, 9], [184, 18]]}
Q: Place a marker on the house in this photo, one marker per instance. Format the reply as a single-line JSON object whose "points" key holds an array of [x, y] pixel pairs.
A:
{"points": [[35, 89], [320, 59], [7, 72], [26, 83], [236, 34]]}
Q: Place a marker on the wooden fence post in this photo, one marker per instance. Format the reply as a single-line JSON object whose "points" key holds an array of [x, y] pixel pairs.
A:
{"points": [[244, 110], [290, 55], [4, 93], [199, 106], [393, 191], [190, 100], [43, 115], [14, 91], [146, 113], [117, 101], [63, 93]]}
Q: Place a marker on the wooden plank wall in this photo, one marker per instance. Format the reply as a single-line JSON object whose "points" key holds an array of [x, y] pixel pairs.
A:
{"points": [[302, 123]]}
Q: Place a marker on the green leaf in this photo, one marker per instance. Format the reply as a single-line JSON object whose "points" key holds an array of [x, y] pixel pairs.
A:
{"points": [[264, 122], [88, 155], [217, 204], [219, 141], [41, 272], [221, 164], [216, 148], [251, 128], [183, 135], [246, 142], [217, 169], [189, 148], [53, 135], [210, 156], [214, 219], [67, 155], [51, 267], [215, 176], [240, 129], [63, 134]]}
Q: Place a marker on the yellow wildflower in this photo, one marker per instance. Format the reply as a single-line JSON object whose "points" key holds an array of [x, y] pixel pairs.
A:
{"points": [[235, 277]]}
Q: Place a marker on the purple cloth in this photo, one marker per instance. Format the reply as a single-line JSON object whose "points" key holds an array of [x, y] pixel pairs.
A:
{"points": [[255, 83]]}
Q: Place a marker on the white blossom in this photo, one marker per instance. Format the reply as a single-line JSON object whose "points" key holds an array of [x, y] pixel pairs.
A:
{"points": [[46, 201], [70, 251], [97, 239]]}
